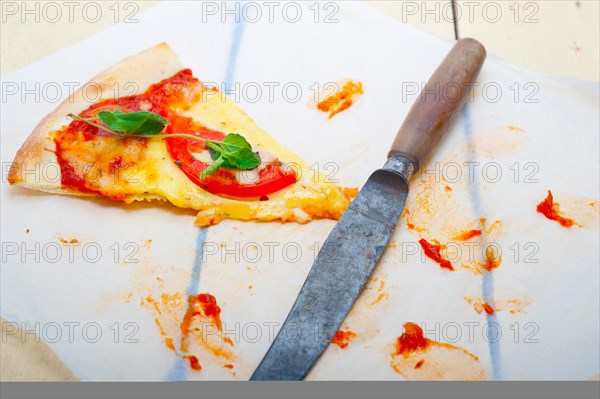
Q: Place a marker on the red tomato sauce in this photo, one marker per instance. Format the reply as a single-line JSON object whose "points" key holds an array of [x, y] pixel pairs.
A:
{"points": [[432, 251], [163, 98], [342, 338], [467, 235], [488, 309], [194, 363], [412, 340], [342, 99], [69, 177], [550, 209], [210, 308], [201, 305]]}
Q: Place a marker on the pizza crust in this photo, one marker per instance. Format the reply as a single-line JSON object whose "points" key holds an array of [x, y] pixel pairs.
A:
{"points": [[30, 167]]}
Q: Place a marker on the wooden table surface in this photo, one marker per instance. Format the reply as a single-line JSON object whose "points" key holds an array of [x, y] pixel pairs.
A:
{"points": [[553, 37]]}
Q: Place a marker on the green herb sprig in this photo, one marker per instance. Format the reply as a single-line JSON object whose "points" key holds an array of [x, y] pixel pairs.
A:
{"points": [[234, 152]]}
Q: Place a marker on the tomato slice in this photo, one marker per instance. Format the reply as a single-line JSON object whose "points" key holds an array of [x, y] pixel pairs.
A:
{"points": [[271, 178]]}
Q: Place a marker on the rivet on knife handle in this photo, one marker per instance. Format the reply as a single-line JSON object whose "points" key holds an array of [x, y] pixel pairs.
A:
{"points": [[440, 101]]}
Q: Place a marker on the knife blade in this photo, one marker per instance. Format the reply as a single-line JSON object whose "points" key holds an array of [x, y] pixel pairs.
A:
{"points": [[354, 246]]}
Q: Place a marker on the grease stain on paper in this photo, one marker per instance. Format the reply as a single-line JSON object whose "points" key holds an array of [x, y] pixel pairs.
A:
{"points": [[513, 305]]}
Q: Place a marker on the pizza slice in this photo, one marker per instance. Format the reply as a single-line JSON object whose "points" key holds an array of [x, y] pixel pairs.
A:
{"points": [[175, 140]]}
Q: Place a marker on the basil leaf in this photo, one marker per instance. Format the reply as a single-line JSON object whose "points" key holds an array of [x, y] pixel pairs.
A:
{"points": [[233, 152], [141, 123], [233, 140], [245, 159]]}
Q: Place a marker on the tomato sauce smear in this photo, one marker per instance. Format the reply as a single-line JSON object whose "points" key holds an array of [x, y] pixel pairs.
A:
{"points": [[492, 258], [342, 338], [549, 209], [341, 100], [164, 98], [411, 340], [467, 235], [194, 363], [432, 251], [488, 308]]}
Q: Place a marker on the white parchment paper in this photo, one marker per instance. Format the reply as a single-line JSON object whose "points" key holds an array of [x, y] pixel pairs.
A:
{"points": [[85, 299]]}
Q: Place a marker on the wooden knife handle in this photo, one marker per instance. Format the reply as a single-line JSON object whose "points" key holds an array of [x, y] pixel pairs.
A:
{"points": [[439, 102]]}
